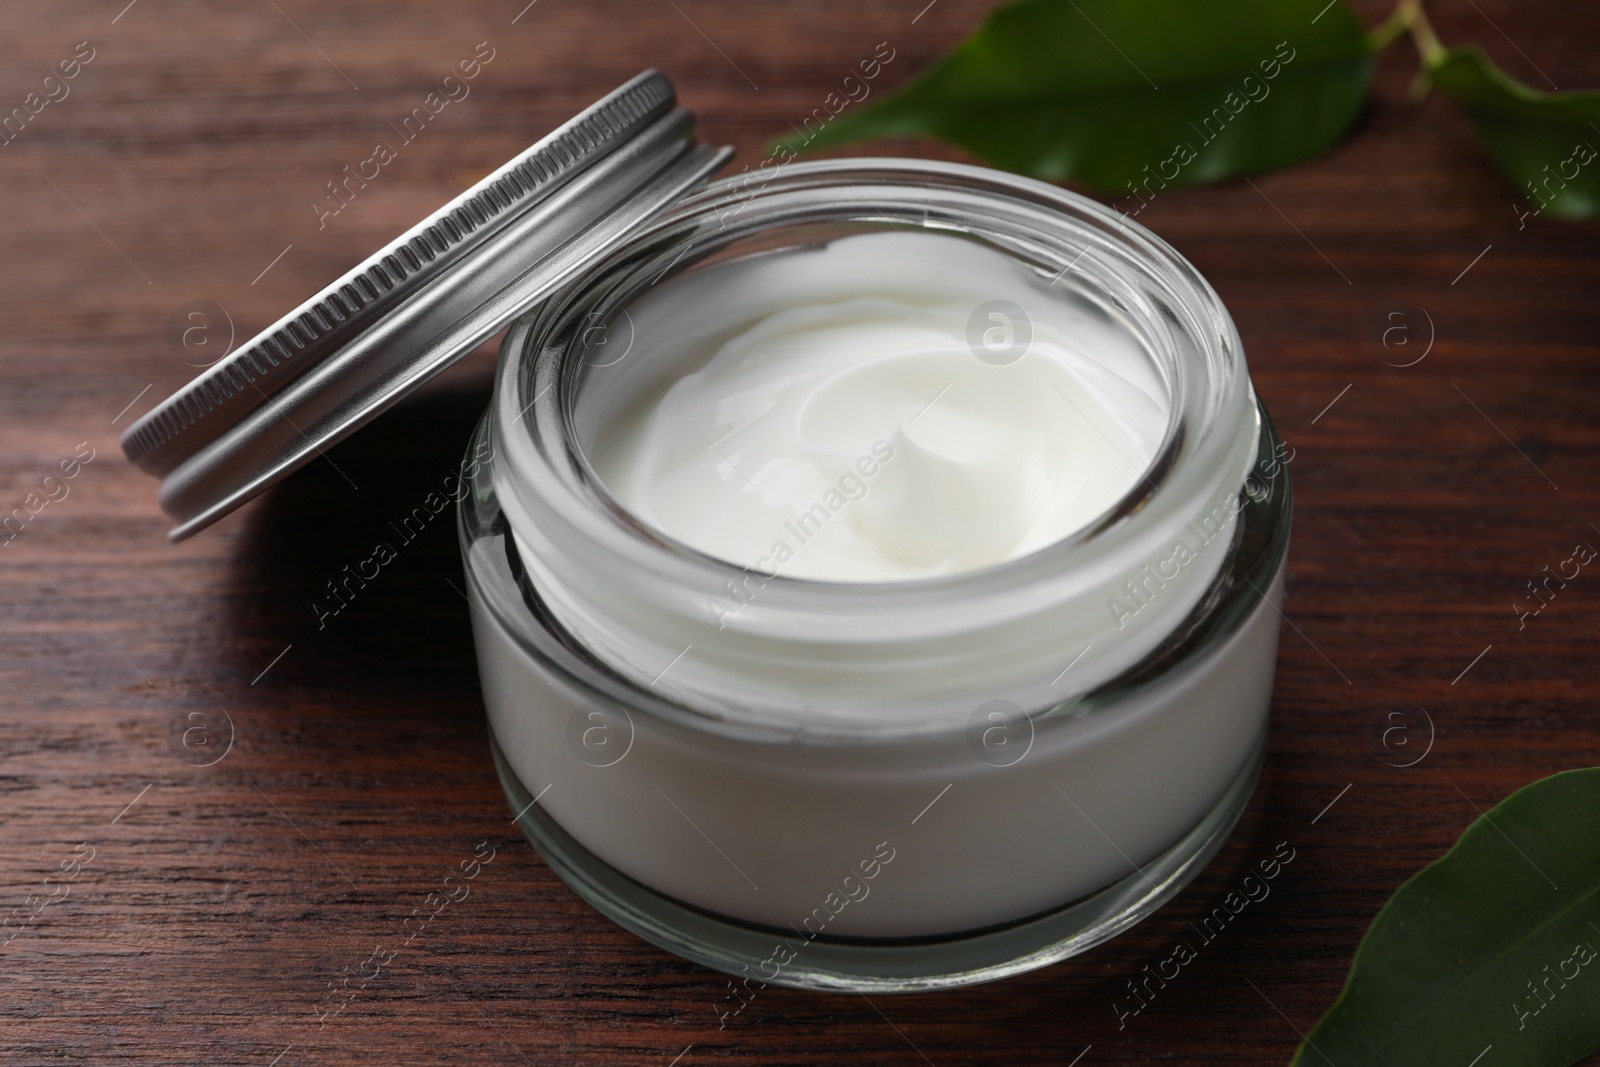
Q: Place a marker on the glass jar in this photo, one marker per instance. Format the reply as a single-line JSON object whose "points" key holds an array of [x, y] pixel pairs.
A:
{"points": [[899, 785]]}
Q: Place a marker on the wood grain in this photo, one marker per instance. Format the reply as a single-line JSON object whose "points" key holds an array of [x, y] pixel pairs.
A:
{"points": [[221, 901]]}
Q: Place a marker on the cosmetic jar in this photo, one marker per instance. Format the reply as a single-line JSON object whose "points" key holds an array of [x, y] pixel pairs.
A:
{"points": [[959, 777], [845, 785]]}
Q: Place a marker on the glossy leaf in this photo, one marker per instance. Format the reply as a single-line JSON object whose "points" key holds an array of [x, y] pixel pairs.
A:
{"points": [[1494, 947], [1548, 143], [1127, 94]]}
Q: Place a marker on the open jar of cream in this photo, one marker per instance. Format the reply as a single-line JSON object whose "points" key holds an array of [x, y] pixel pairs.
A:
{"points": [[875, 575], [874, 567]]}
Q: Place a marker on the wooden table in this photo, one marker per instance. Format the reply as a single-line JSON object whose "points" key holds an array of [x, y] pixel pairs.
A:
{"points": [[222, 901]]}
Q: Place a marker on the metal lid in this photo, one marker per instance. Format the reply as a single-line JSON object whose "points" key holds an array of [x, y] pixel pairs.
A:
{"points": [[419, 304]]}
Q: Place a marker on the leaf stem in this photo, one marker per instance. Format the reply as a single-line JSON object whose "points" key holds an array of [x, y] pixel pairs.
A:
{"points": [[1384, 34], [1428, 43], [1409, 17]]}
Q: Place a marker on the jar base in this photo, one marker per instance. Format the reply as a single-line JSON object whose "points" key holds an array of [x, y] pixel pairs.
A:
{"points": [[879, 966]]}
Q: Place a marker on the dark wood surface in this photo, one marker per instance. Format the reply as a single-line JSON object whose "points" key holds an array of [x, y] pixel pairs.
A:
{"points": [[222, 901]]}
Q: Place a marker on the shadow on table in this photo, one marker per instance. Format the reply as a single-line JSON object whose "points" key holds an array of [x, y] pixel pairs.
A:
{"points": [[348, 560]]}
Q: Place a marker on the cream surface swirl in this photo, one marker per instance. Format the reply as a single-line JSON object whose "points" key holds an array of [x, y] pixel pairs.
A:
{"points": [[916, 405]]}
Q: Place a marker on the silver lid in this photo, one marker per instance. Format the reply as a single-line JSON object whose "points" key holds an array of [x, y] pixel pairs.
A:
{"points": [[419, 304]]}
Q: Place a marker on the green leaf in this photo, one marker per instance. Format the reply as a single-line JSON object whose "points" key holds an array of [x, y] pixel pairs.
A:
{"points": [[1493, 945], [1545, 142], [1125, 93]]}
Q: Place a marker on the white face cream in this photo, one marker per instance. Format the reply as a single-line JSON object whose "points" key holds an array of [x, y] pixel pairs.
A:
{"points": [[876, 409], [896, 415]]}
